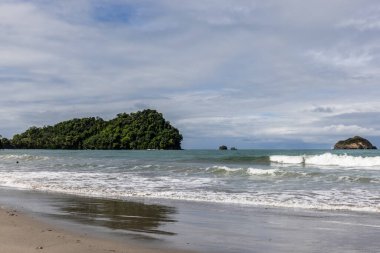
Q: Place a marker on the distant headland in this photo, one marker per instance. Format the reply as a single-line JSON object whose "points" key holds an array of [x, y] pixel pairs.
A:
{"points": [[145, 129], [355, 142]]}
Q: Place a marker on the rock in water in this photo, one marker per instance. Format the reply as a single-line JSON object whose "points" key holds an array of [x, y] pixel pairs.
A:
{"points": [[223, 147], [355, 142]]}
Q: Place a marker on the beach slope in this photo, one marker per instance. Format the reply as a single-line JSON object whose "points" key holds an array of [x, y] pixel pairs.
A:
{"points": [[20, 233]]}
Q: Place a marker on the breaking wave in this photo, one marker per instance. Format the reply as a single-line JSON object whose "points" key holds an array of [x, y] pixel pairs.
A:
{"points": [[244, 171], [328, 159], [123, 186]]}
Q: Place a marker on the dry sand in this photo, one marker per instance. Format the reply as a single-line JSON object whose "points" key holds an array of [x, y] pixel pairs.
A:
{"points": [[20, 233]]}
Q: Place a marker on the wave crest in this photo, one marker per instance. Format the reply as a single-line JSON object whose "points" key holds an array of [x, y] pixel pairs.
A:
{"points": [[261, 172], [328, 159], [24, 157], [243, 171]]}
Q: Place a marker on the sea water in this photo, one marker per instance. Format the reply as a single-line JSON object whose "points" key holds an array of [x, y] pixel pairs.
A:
{"points": [[305, 179]]}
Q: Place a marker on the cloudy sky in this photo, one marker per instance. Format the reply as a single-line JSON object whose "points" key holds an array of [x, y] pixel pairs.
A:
{"points": [[245, 73]]}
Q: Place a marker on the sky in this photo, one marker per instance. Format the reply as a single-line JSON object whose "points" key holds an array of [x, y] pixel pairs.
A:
{"points": [[244, 73]]}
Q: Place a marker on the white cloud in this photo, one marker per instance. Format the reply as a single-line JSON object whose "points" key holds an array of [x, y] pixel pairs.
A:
{"points": [[348, 130], [371, 23], [350, 59], [365, 19]]}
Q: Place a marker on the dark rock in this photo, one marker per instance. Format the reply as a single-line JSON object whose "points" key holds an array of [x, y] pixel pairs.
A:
{"points": [[223, 147], [355, 142], [233, 148]]}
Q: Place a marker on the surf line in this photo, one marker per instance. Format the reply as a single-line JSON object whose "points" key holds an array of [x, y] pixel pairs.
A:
{"points": [[353, 224]]}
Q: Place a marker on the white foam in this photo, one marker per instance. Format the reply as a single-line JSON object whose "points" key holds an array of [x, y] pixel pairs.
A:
{"points": [[327, 200], [286, 159], [24, 157], [262, 172], [249, 171], [124, 185], [329, 159], [222, 168], [343, 160]]}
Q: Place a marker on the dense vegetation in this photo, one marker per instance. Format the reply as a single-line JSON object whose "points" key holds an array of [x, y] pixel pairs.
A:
{"points": [[141, 130], [5, 143]]}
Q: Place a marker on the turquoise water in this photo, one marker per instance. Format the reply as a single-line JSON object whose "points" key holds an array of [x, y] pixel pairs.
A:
{"points": [[307, 179]]}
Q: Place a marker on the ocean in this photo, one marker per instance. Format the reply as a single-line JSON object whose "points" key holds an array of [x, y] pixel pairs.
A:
{"points": [[346, 180]]}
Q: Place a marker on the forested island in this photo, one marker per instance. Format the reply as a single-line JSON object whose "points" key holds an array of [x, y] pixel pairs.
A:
{"points": [[145, 129]]}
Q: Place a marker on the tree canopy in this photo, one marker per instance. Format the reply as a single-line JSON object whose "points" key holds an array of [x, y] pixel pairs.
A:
{"points": [[5, 143], [145, 129]]}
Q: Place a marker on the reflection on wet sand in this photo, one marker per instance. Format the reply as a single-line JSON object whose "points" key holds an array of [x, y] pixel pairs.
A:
{"points": [[116, 214]]}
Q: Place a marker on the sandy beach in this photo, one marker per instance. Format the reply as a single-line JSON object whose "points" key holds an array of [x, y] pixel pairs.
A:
{"points": [[21, 233]]}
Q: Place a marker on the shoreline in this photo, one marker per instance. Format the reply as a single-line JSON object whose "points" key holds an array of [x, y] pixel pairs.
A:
{"points": [[55, 222], [21, 232]]}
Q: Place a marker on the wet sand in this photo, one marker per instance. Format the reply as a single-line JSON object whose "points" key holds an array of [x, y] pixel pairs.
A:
{"points": [[56, 222], [20, 233]]}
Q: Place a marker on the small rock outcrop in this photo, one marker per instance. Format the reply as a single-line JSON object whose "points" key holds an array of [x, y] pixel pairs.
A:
{"points": [[355, 142], [223, 147]]}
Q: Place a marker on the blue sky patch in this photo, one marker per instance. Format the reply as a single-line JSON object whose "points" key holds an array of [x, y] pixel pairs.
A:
{"points": [[113, 13]]}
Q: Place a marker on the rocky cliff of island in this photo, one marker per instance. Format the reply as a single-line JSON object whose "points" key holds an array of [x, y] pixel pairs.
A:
{"points": [[355, 142]]}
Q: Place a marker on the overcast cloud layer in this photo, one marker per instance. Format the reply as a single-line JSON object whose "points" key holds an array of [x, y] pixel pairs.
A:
{"points": [[252, 74]]}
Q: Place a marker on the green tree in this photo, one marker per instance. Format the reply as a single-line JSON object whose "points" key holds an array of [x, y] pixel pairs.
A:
{"points": [[141, 130]]}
